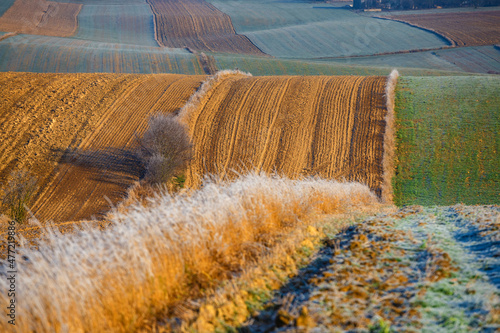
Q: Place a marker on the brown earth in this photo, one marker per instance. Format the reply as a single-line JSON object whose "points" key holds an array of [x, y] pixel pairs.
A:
{"points": [[197, 25], [327, 126], [75, 133], [41, 17], [465, 29]]}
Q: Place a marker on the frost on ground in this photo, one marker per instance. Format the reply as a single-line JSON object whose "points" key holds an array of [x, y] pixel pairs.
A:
{"points": [[417, 270]]}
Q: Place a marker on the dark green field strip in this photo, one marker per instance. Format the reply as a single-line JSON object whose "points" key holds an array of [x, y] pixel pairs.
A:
{"points": [[272, 66], [448, 140]]}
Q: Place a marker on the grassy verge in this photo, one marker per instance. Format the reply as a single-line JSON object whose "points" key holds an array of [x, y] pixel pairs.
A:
{"points": [[447, 140], [154, 259]]}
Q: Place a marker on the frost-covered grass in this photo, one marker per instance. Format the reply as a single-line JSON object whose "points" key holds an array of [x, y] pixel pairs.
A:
{"points": [[301, 29], [152, 257], [117, 23], [42, 54]]}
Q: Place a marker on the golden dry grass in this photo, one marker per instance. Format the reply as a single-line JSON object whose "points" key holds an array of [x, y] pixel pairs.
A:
{"points": [[136, 271], [41, 17]]}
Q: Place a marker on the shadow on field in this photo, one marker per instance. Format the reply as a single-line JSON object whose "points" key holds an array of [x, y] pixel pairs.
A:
{"points": [[109, 165]]}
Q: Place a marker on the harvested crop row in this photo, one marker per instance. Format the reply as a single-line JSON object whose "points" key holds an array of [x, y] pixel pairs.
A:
{"points": [[41, 17], [198, 25], [41, 115], [465, 29], [327, 126], [104, 165], [73, 132]]}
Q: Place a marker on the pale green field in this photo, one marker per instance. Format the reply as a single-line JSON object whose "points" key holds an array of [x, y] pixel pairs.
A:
{"points": [[313, 30], [41, 54], [117, 23], [273, 66], [479, 59]]}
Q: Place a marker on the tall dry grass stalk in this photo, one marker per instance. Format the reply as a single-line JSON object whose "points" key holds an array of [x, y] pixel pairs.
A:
{"points": [[122, 278], [203, 93], [389, 138]]}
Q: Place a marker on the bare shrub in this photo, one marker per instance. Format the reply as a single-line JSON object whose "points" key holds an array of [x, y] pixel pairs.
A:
{"points": [[17, 195], [165, 148]]}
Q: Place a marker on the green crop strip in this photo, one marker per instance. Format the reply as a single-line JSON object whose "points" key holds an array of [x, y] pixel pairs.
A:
{"points": [[447, 140]]}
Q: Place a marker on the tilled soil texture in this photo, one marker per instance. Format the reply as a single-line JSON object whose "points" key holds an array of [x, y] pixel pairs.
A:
{"points": [[417, 270], [41, 17], [465, 29], [75, 133], [197, 25], [326, 126]]}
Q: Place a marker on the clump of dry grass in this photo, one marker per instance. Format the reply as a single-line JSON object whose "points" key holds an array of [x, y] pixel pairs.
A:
{"points": [[134, 272], [17, 194], [389, 139]]}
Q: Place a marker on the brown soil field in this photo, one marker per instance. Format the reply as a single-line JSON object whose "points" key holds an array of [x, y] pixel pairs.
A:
{"points": [[465, 29], [197, 25], [41, 17], [332, 127], [74, 132]]}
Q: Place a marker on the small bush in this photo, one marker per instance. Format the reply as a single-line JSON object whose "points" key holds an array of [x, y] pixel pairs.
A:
{"points": [[18, 194], [165, 148]]}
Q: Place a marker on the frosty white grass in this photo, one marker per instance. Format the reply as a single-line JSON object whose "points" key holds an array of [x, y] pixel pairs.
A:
{"points": [[129, 275], [389, 137]]}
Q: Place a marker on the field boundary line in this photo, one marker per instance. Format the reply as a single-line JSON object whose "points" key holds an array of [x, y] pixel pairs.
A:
{"points": [[154, 24], [389, 138], [7, 35], [449, 40]]}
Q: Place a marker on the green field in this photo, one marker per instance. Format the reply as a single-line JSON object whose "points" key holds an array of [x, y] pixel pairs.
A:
{"points": [[299, 29], [448, 140], [41, 54], [478, 59], [117, 23], [272, 66]]}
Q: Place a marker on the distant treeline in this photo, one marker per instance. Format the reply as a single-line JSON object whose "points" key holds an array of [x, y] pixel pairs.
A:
{"points": [[422, 4]]}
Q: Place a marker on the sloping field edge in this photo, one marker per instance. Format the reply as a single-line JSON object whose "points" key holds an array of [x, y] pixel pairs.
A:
{"points": [[203, 93], [389, 138], [449, 40]]}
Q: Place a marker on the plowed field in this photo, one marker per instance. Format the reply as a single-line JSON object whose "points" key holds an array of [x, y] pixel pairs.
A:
{"points": [[327, 126], [74, 133], [465, 29], [40, 17], [198, 25]]}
